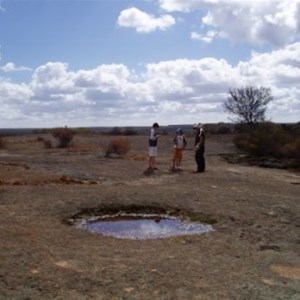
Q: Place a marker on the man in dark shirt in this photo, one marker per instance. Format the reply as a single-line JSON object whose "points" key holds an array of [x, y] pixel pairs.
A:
{"points": [[199, 147]]}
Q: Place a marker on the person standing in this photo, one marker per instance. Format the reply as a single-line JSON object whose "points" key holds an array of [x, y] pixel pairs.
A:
{"points": [[199, 147], [179, 144], [153, 137]]}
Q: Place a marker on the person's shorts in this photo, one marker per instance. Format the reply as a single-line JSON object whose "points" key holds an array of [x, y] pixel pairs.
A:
{"points": [[152, 151], [177, 154]]}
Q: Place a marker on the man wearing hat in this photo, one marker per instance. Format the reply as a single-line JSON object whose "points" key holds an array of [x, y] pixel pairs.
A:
{"points": [[199, 147]]}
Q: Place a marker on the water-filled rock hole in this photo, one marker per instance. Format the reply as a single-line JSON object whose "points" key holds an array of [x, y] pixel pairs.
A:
{"points": [[140, 225]]}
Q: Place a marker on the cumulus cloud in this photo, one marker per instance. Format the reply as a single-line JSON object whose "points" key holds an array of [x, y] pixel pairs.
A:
{"points": [[274, 22], [143, 22], [11, 67], [171, 92], [280, 67], [206, 38]]}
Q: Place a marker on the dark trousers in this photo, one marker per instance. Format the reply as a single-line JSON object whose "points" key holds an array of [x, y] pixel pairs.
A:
{"points": [[200, 160]]}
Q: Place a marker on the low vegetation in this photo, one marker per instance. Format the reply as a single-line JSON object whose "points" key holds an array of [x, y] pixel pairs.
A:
{"points": [[64, 136], [118, 146], [270, 140]]}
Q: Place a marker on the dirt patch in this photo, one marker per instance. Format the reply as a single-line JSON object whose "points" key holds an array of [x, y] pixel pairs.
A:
{"points": [[253, 253]]}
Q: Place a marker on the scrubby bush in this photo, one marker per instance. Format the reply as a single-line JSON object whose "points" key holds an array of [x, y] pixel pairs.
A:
{"points": [[118, 146], [219, 128], [295, 130], [63, 135], [292, 149], [268, 139]]}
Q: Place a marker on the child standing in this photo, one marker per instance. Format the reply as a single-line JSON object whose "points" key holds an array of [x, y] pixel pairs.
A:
{"points": [[153, 137], [179, 144]]}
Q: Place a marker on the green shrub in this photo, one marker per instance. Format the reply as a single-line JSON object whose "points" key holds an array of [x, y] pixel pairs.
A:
{"points": [[295, 130], [264, 139], [292, 149], [219, 128], [64, 136]]}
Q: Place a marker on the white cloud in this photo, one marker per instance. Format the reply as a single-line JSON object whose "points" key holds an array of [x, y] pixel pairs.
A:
{"points": [[143, 22], [171, 92], [51, 79], [11, 67], [185, 6], [274, 22], [206, 38], [11, 92], [280, 67]]}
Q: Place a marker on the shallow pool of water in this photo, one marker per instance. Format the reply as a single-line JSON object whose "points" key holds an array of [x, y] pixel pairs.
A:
{"points": [[143, 226]]}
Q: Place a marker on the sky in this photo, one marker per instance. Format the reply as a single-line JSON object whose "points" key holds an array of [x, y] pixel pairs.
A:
{"points": [[81, 63]]}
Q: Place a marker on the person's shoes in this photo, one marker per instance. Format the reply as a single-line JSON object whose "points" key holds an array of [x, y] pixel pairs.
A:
{"points": [[149, 171]]}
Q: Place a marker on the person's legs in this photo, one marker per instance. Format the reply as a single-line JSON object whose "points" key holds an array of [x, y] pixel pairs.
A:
{"points": [[150, 162], [174, 159], [152, 157], [196, 158], [179, 158], [199, 157]]}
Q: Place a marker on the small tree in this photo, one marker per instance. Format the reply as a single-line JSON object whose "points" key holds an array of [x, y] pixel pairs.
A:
{"points": [[63, 135], [248, 104]]}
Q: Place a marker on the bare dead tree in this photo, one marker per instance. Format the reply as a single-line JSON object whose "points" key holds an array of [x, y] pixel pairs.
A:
{"points": [[248, 104]]}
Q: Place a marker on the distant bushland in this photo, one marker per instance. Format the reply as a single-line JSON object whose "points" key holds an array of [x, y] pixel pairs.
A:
{"points": [[122, 131], [268, 139]]}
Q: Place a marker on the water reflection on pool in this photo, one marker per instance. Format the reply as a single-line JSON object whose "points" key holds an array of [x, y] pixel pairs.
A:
{"points": [[143, 226]]}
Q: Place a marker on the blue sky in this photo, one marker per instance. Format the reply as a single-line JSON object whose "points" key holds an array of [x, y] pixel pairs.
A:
{"points": [[129, 63]]}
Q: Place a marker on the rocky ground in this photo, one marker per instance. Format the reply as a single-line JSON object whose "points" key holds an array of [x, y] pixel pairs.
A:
{"points": [[252, 254]]}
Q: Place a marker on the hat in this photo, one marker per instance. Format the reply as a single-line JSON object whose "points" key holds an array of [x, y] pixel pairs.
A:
{"points": [[195, 126], [179, 130]]}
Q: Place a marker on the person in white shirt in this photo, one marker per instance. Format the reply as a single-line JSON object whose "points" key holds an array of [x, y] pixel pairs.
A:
{"points": [[153, 137]]}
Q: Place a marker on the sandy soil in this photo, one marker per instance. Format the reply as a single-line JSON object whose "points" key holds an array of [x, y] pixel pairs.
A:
{"points": [[253, 253]]}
